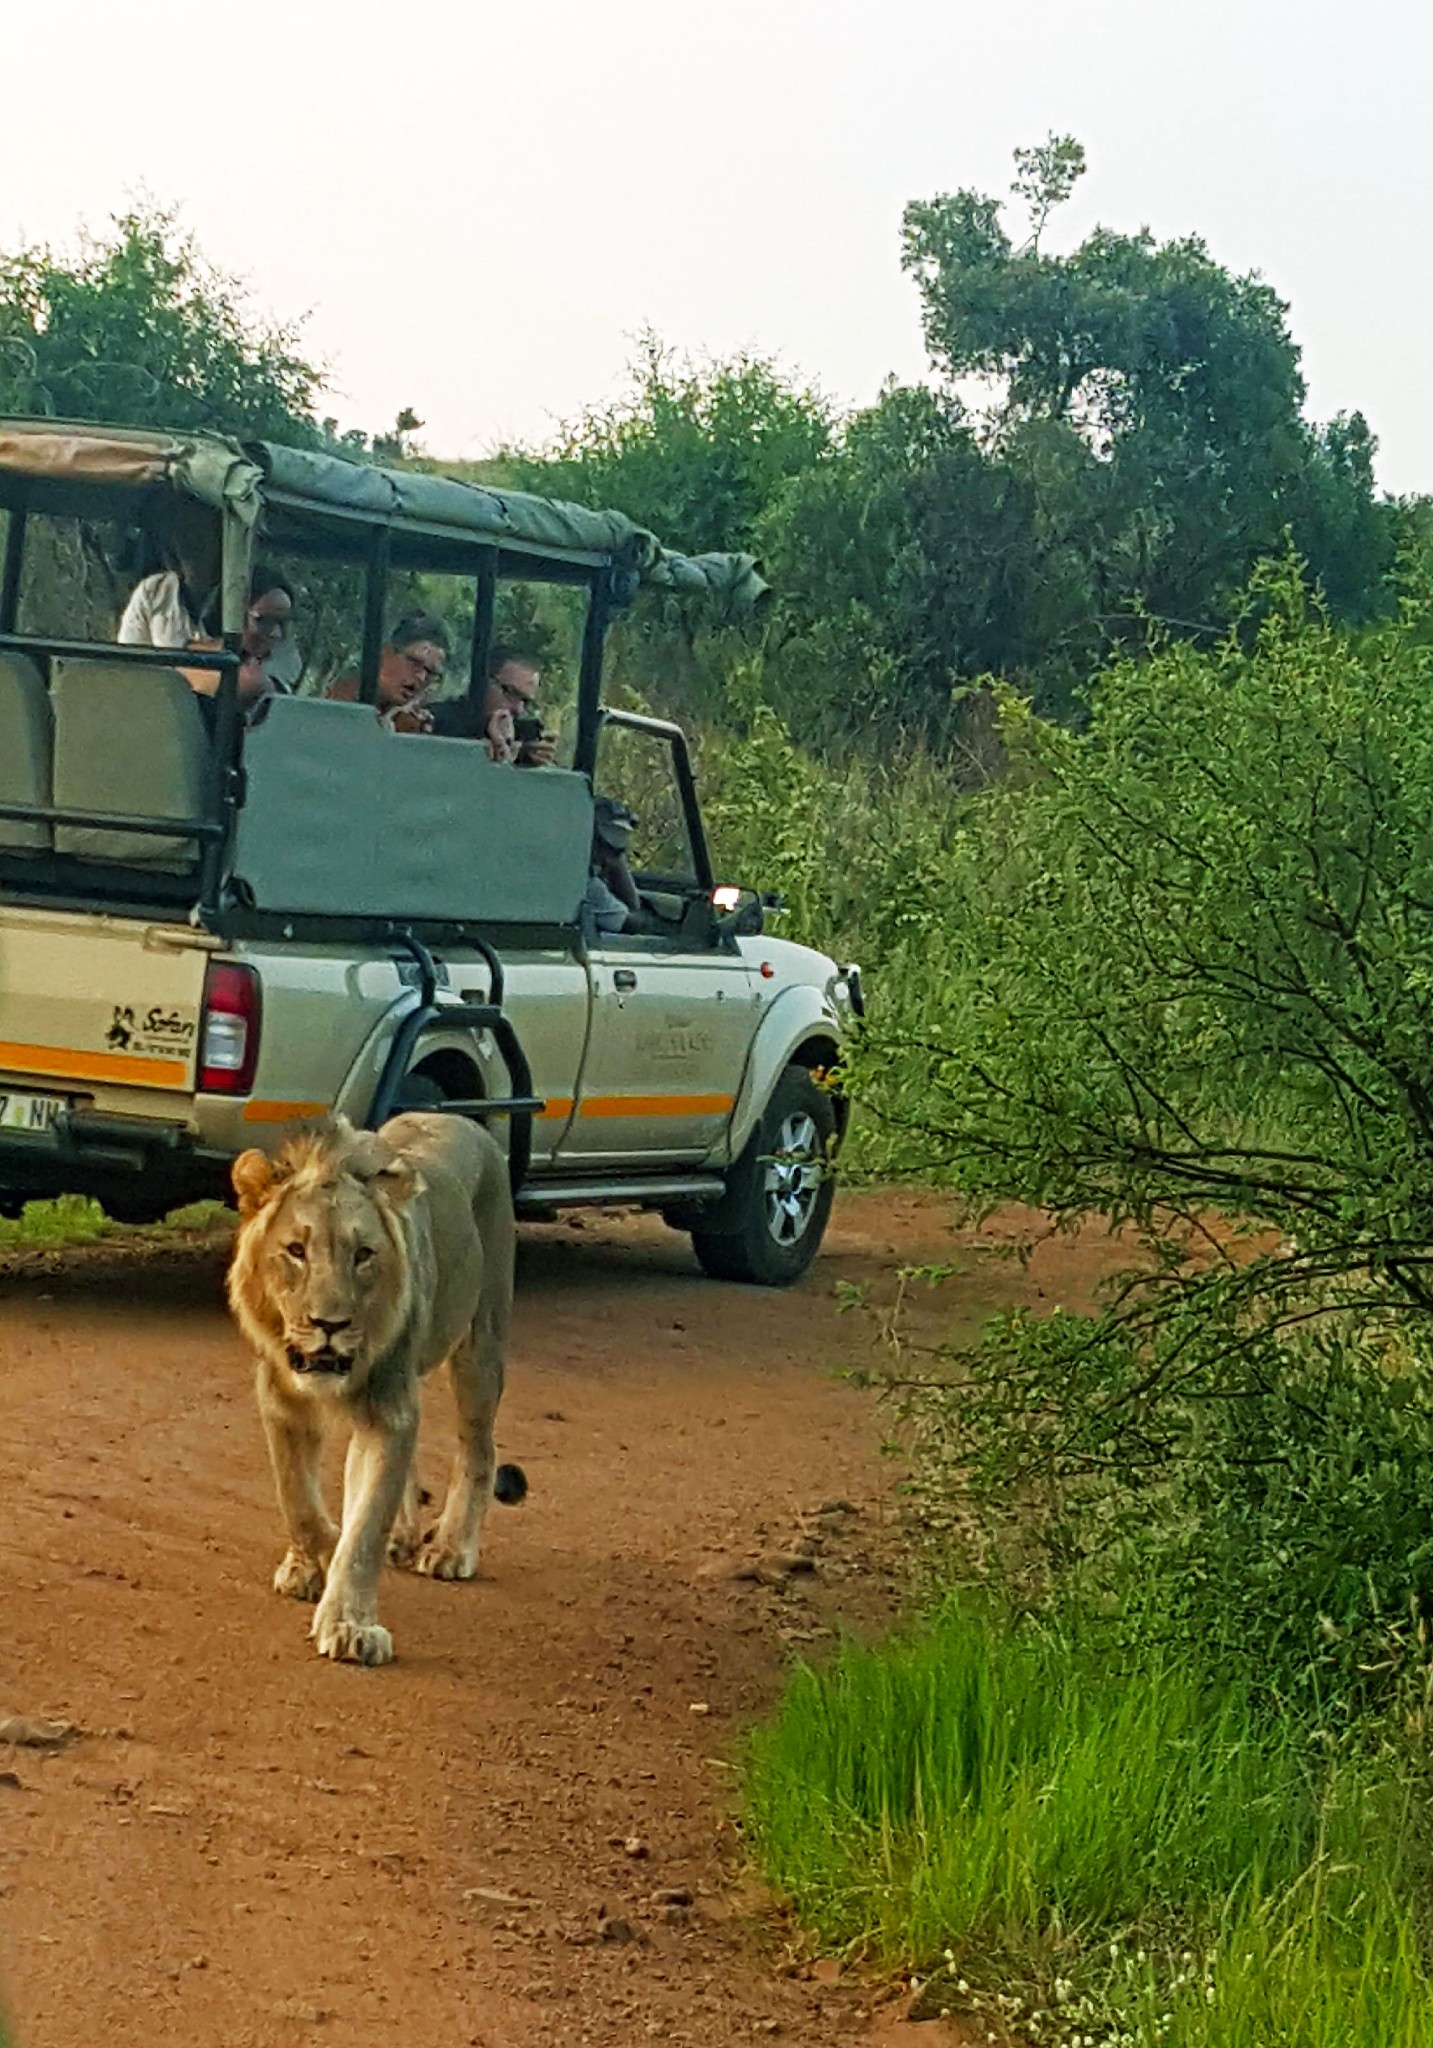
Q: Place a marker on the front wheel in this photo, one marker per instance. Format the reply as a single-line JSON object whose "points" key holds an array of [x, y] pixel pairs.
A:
{"points": [[768, 1226]]}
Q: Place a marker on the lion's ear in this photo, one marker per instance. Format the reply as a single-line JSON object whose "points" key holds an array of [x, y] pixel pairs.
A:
{"points": [[398, 1182], [371, 1159], [253, 1176]]}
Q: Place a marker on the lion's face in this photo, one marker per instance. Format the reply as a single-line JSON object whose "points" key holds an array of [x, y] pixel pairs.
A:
{"points": [[326, 1251]]}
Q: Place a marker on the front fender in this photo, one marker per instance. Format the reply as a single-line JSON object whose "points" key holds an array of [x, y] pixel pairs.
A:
{"points": [[794, 1018]]}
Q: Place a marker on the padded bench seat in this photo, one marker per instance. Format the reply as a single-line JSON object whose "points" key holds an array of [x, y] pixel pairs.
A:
{"points": [[128, 739], [26, 751]]}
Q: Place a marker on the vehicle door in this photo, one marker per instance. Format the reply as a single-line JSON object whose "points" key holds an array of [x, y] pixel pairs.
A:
{"points": [[673, 1007]]}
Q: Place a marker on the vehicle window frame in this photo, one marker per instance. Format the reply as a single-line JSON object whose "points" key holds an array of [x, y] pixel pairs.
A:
{"points": [[699, 884]]}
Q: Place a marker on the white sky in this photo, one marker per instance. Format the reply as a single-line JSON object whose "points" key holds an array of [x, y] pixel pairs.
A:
{"points": [[479, 205]]}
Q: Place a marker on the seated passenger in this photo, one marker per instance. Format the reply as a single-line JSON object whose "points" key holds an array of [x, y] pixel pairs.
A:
{"points": [[264, 669], [177, 607], [611, 892], [413, 659], [507, 715], [170, 609]]}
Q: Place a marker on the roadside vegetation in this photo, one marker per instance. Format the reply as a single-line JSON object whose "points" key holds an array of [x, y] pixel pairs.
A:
{"points": [[1092, 713], [76, 1219], [1169, 1782], [1085, 1845]]}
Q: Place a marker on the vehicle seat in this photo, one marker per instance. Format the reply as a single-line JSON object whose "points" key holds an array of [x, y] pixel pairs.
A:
{"points": [[129, 739], [26, 750], [664, 904]]}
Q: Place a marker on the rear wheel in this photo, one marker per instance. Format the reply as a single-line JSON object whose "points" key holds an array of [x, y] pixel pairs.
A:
{"points": [[419, 1091], [138, 1207], [768, 1226]]}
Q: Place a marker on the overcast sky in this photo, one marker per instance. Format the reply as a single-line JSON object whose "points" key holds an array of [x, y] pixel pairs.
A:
{"points": [[478, 206]]}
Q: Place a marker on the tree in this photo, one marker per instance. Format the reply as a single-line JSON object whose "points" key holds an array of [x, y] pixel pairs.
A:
{"points": [[1181, 379], [696, 453], [140, 330], [1045, 178], [1142, 447], [908, 566]]}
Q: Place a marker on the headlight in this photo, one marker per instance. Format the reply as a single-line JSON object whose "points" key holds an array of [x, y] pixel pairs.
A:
{"points": [[846, 992]]}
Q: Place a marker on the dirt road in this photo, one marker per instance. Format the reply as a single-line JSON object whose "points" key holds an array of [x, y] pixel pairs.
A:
{"points": [[492, 1841]]}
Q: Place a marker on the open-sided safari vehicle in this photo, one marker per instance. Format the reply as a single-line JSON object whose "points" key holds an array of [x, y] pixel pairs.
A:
{"points": [[214, 927]]}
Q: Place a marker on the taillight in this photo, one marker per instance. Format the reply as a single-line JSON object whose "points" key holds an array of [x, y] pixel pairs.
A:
{"points": [[229, 1029]]}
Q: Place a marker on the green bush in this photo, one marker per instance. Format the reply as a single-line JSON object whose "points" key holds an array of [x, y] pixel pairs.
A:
{"points": [[1176, 973]]}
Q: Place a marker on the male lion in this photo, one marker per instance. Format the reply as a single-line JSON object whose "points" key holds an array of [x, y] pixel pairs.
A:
{"points": [[363, 1260]]}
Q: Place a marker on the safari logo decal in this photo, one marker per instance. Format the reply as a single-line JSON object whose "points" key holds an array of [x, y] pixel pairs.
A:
{"points": [[156, 1033]]}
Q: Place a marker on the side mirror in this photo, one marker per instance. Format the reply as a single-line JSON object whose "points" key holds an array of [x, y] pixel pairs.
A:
{"points": [[737, 913]]}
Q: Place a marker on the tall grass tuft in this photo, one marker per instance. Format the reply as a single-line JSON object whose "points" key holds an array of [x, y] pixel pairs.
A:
{"points": [[1144, 1853], [69, 1219]]}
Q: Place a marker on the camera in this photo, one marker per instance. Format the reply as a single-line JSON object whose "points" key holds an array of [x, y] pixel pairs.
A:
{"points": [[526, 729]]}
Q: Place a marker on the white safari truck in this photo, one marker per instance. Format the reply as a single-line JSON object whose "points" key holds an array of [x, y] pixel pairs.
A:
{"points": [[216, 926]]}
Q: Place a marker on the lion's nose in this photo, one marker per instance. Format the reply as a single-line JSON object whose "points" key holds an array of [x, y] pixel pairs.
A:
{"points": [[330, 1325]]}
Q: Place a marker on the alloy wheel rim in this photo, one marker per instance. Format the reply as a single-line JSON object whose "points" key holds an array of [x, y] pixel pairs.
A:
{"points": [[793, 1179]]}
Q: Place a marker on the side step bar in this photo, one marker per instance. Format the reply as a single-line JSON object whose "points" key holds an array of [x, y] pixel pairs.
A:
{"points": [[538, 1196]]}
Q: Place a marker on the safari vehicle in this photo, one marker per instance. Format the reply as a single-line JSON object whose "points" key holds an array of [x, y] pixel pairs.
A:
{"points": [[213, 929]]}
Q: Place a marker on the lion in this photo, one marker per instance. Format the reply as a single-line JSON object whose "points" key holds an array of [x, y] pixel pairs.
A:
{"points": [[363, 1260]]}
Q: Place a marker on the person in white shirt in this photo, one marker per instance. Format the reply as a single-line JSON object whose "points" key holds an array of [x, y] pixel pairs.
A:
{"points": [[164, 611], [171, 609]]}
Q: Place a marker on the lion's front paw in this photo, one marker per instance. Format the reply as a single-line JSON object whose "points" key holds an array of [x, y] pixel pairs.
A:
{"points": [[403, 1547], [351, 1642], [298, 1577], [448, 1560]]}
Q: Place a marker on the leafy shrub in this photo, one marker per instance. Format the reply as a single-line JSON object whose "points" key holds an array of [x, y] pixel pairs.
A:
{"points": [[1182, 981]]}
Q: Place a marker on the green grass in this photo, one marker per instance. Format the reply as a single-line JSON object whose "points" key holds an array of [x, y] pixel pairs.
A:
{"points": [[1138, 1856], [71, 1219], [75, 1219]]}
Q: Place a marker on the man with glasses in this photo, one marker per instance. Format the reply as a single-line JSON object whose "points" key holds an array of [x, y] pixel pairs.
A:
{"points": [[507, 718], [412, 663]]}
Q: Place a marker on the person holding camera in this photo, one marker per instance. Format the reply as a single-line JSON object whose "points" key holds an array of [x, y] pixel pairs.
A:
{"points": [[507, 719], [412, 662]]}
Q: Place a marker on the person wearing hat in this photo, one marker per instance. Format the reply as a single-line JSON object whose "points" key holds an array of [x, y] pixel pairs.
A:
{"points": [[611, 893]]}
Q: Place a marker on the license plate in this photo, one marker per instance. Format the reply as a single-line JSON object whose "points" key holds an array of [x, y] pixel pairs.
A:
{"points": [[29, 1112]]}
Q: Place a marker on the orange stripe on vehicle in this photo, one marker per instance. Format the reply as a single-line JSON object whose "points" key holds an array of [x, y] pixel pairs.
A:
{"points": [[556, 1107], [655, 1105], [59, 1063], [282, 1112]]}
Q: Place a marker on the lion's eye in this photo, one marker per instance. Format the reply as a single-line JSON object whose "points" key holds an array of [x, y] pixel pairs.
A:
{"points": [[295, 1251], [362, 1254]]}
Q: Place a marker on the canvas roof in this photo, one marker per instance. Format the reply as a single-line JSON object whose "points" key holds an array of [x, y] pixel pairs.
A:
{"points": [[64, 465]]}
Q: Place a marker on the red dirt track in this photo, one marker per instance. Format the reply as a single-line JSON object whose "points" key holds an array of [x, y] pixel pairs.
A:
{"points": [[247, 1846]]}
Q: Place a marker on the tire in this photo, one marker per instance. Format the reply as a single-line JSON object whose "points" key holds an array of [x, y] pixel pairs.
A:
{"points": [[139, 1208], [418, 1091], [768, 1226]]}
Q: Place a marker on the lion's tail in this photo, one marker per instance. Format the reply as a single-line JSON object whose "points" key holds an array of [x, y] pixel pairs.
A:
{"points": [[510, 1485]]}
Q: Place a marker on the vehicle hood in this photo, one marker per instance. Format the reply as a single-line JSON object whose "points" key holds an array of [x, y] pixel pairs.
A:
{"points": [[795, 966]]}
